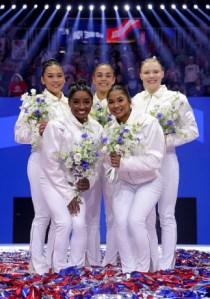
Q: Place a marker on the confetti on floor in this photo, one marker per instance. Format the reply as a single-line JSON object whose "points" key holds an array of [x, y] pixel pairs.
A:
{"points": [[189, 279]]}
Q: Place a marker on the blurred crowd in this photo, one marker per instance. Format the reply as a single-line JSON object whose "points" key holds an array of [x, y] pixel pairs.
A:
{"points": [[187, 69]]}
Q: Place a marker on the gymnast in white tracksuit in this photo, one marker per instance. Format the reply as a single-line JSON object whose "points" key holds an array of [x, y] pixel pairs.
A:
{"points": [[103, 79], [57, 183], [151, 74], [138, 184], [53, 78]]}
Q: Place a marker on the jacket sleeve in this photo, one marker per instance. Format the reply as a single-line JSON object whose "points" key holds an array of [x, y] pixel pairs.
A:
{"points": [[189, 129], [52, 140], [23, 130], [148, 161]]}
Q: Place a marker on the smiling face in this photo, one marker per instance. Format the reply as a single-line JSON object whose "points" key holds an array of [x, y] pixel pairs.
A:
{"points": [[151, 74], [53, 78], [119, 105], [103, 78], [80, 104]]}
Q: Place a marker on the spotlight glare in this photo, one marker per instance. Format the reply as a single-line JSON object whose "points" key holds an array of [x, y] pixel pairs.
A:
{"points": [[24, 6], [68, 7], [150, 6], [2, 6], [184, 6], [162, 6], [35, 6], [46, 6], [13, 6], [80, 7], [207, 6], [195, 6], [173, 6], [91, 7], [58, 6], [138, 7], [127, 7], [103, 7], [115, 7]]}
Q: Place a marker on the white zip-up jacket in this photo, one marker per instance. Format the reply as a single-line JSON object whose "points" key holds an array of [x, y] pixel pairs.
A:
{"points": [[61, 135], [144, 102], [23, 130], [146, 159]]}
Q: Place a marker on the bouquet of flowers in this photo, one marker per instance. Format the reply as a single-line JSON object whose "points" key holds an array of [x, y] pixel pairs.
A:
{"points": [[81, 161], [35, 107], [101, 114], [122, 141], [169, 115]]}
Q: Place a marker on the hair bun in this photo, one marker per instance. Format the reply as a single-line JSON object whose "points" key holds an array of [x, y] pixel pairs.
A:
{"points": [[81, 82], [49, 62]]}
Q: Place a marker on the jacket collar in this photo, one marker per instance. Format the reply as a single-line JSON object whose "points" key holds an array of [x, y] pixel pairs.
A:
{"points": [[54, 98], [158, 94]]}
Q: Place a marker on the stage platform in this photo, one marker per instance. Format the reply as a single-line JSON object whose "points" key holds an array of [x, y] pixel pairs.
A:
{"points": [[190, 278], [14, 247]]}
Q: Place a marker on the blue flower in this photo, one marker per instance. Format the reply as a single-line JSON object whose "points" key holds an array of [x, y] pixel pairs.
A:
{"points": [[85, 164], [120, 139], [97, 154], [37, 112], [38, 99], [170, 122], [125, 130], [84, 135], [104, 140], [159, 115]]}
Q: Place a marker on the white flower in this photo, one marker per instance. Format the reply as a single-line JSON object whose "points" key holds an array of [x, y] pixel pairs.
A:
{"points": [[33, 92], [77, 157], [104, 149]]}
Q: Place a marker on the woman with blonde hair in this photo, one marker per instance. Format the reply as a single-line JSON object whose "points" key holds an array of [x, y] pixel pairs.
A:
{"points": [[156, 99]]}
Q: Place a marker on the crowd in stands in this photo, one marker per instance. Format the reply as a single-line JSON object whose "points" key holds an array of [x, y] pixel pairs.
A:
{"points": [[188, 71]]}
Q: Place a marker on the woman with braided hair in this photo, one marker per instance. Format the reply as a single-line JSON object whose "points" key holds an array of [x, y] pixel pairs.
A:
{"points": [[58, 184]]}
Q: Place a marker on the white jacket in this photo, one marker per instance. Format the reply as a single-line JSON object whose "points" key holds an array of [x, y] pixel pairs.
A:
{"points": [[146, 160], [144, 102], [61, 135], [23, 130]]}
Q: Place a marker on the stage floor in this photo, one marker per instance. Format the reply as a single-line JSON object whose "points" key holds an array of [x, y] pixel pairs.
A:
{"points": [[13, 247], [189, 279]]}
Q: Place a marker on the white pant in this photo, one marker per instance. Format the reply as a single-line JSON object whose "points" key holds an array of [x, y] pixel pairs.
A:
{"points": [[65, 224], [166, 210], [41, 218], [101, 189], [132, 205]]}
